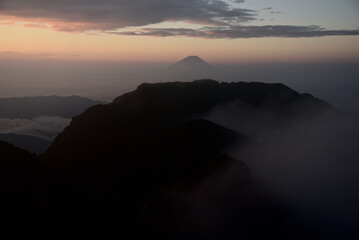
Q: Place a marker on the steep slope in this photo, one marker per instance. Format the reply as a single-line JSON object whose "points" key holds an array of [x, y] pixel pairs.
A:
{"points": [[196, 150], [118, 186]]}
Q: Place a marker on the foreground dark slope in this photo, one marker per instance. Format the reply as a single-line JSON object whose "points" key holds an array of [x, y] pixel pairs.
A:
{"points": [[13, 159], [122, 194], [16, 178]]}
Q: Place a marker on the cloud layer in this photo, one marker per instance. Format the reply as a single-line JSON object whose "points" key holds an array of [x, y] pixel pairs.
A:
{"points": [[80, 15], [218, 18], [242, 32], [45, 127]]}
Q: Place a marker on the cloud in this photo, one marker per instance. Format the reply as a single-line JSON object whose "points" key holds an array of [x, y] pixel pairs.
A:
{"points": [[239, 1], [309, 163], [233, 32], [45, 127], [218, 18], [83, 15]]}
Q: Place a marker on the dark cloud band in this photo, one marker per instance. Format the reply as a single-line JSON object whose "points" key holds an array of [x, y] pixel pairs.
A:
{"points": [[220, 19], [113, 14], [287, 31]]}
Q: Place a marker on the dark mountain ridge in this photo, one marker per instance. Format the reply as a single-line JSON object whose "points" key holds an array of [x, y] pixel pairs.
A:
{"points": [[147, 145], [142, 119], [136, 123], [148, 164]]}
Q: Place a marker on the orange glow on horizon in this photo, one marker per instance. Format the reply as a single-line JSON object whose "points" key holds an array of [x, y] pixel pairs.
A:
{"points": [[30, 39]]}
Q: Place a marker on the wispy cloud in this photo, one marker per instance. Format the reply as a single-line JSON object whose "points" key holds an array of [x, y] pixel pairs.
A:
{"points": [[45, 127], [232, 32], [239, 1]]}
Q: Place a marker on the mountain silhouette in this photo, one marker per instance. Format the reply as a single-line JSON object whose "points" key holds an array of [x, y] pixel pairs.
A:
{"points": [[189, 68], [151, 145], [139, 121], [146, 167], [192, 62], [151, 164]]}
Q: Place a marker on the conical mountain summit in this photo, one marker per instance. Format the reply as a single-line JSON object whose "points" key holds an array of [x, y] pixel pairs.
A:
{"points": [[192, 62]]}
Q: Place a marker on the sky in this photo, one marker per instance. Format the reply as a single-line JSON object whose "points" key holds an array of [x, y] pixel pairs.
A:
{"points": [[226, 31]]}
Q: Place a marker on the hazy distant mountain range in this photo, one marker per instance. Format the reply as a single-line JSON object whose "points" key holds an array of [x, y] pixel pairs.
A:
{"points": [[335, 83], [197, 159], [30, 143], [29, 107]]}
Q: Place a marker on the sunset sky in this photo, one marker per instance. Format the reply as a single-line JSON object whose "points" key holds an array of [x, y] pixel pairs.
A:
{"points": [[168, 30]]}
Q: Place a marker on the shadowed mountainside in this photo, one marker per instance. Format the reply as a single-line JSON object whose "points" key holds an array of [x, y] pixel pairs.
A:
{"points": [[118, 195], [13, 158], [144, 148], [16, 179], [148, 165], [143, 118]]}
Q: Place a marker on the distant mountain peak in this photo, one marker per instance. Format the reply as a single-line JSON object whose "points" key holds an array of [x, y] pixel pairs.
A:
{"points": [[193, 58], [192, 62]]}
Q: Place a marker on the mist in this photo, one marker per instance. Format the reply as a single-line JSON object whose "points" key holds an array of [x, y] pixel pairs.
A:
{"points": [[45, 127], [336, 83], [96, 80], [309, 164]]}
